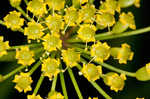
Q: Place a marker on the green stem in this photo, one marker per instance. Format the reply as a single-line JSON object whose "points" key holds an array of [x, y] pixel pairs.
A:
{"points": [[125, 34], [19, 46], [13, 72], [117, 70], [109, 35], [75, 83], [95, 85], [62, 80], [35, 67], [23, 13], [110, 67], [26, 1], [38, 84], [100, 90], [54, 83]]}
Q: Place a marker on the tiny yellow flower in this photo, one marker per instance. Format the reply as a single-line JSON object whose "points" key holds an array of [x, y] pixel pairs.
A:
{"points": [[70, 57], [128, 19], [50, 67], [93, 98], [25, 56], [23, 82], [3, 46], [52, 42], [124, 54], [55, 95], [34, 97], [115, 81], [15, 3], [110, 6], [100, 51], [91, 72], [105, 19], [34, 30], [55, 4], [86, 32], [37, 7], [13, 20], [55, 23], [71, 16], [86, 14]]}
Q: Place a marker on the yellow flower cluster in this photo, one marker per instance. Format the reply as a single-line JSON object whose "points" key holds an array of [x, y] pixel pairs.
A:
{"points": [[25, 56], [91, 72], [70, 57], [122, 54], [115, 81], [34, 30], [13, 20], [100, 51], [23, 82], [61, 30], [50, 67]]}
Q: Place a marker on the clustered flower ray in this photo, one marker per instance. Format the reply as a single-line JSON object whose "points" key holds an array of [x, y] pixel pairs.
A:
{"points": [[57, 27]]}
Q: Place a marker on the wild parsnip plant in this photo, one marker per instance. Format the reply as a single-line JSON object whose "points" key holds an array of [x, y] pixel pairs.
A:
{"points": [[65, 34]]}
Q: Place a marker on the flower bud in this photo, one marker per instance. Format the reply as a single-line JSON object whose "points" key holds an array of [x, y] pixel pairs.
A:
{"points": [[143, 74]]}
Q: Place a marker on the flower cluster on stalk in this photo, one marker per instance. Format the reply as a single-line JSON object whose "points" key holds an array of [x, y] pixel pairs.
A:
{"points": [[68, 34]]}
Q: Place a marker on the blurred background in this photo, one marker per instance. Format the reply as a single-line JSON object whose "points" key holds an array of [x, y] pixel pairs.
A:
{"points": [[132, 89]]}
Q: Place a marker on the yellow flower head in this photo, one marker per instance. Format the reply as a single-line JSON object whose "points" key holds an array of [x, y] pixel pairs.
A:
{"points": [[15, 3], [71, 16], [34, 97], [100, 51], [93, 98], [55, 95], [105, 19], [127, 3], [23, 82], [70, 57], [87, 13], [110, 6], [128, 19], [55, 4], [55, 23], [25, 56], [37, 7], [52, 42], [50, 67], [91, 72], [34, 30], [13, 20], [87, 32], [124, 54], [115, 81], [3, 46]]}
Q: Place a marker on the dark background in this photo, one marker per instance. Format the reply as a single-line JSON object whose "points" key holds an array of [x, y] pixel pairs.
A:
{"points": [[133, 88]]}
